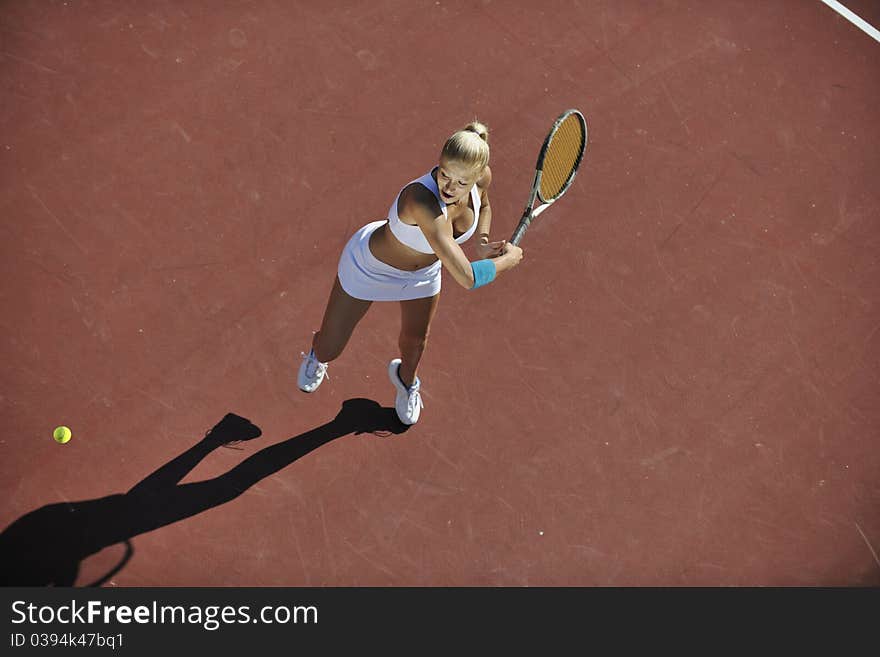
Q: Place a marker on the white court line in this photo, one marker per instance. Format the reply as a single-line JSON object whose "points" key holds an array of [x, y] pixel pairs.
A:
{"points": [[863, 25]]}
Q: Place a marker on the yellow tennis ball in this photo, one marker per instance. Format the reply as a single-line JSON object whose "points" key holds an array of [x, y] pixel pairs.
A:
{"points": [[61, 435]]}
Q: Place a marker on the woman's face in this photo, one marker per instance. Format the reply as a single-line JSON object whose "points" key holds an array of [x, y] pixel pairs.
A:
{"points": [[455, 179]]}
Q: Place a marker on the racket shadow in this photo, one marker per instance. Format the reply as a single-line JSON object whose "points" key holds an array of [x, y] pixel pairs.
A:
{"points": [[47, 546]]}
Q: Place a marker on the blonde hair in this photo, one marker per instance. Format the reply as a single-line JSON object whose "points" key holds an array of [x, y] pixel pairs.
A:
{"points": [[470, 146]]}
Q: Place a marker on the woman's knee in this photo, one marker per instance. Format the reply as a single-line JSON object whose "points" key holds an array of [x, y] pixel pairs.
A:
{"points": [[342, 315], [410, 343], [330, 341]]}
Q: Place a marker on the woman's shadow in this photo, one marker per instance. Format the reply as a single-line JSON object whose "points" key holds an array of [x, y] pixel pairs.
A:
{"points": [[46, 546]]}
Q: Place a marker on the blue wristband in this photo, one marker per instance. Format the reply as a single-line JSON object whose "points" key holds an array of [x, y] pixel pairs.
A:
{"points": [[484, 272]]}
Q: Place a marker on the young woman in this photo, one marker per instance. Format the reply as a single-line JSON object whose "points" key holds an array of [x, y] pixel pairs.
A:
{"points": [[401, 258]]}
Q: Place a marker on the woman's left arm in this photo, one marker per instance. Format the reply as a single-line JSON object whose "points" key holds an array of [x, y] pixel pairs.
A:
{"points": [[485, 248]]}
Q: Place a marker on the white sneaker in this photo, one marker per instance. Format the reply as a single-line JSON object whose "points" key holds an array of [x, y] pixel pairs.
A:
{"points": [[311, 372], [409, 402]]}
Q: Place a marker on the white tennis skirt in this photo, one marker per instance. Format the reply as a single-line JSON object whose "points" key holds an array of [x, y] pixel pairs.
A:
{"points": [[365, 277]]}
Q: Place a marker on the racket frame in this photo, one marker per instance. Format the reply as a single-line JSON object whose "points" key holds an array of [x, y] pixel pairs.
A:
{"points": [[531, 213]]}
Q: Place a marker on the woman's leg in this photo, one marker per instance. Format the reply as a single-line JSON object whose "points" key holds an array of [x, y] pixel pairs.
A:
{"points": [[416, 316], [342, 314]]}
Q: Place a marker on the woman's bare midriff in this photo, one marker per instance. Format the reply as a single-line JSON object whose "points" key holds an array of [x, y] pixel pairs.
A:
{"points": [[388, 249]]}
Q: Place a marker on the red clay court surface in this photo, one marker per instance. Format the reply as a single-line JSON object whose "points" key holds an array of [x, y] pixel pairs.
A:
{"points": [[678, 387]]}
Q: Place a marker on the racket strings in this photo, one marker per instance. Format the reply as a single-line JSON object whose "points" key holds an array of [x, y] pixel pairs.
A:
{"points": [[562, 157]]}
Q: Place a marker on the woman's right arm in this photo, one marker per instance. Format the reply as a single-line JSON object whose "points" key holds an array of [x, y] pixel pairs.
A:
{"points": [[438, 232]]}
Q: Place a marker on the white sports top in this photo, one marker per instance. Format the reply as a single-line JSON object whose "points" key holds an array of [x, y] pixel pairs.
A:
{"points": [[413, 236]]}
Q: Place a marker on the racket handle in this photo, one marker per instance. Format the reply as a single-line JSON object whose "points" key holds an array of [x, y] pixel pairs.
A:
{"points": [[520, 230]]}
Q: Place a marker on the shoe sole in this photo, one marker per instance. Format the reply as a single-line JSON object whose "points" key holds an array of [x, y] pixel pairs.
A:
{"points": [[398, 385], [308, 392]]}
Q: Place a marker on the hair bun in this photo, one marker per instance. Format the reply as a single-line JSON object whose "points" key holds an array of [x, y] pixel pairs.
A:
{"points": [[479, 128], [472, 151]]}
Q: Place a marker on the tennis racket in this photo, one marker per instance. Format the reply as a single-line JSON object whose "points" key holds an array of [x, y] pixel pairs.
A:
{"points": [[558, 162]]}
